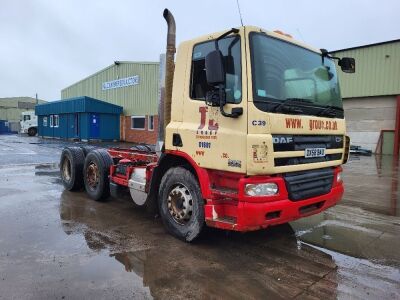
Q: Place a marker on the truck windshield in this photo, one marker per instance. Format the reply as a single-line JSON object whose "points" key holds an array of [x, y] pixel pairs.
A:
{"points": [[286, 76]]}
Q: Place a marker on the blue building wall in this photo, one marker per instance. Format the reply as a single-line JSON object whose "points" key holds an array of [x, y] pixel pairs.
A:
{"points": [[4, 128], [81, 118]]}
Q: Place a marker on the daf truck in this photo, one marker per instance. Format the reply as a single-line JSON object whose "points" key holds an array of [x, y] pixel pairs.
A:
{"points": [[252, 134]]}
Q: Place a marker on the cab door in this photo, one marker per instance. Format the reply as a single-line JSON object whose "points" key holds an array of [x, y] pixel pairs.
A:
{"points": [[211, 139]]}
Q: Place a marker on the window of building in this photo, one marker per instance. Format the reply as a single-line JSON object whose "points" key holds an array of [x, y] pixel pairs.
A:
{"points": [[230, 48], [56, 120], [151, 123], [138, 122], [44, 121]]}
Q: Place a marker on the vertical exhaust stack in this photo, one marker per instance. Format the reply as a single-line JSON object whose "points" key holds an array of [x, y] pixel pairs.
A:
{"points": [[166, 93]]}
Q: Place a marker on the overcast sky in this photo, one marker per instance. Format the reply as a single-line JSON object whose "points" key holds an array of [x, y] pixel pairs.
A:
{"points": [[46, 45]]}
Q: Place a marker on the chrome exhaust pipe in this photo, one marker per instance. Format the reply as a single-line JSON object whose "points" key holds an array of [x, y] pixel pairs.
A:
{"points": [[166, 92]]}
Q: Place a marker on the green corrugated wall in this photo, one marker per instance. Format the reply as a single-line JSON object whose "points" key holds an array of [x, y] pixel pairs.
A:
{"points": [[377, 71], [138, 99], [9, 107]]}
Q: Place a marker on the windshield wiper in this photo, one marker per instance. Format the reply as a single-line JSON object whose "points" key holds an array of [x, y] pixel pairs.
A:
{"points": [[291, 109], [329, 111]]}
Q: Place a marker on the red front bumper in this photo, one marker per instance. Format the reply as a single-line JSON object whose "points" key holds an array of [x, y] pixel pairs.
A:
{"points": [[252, 213]]}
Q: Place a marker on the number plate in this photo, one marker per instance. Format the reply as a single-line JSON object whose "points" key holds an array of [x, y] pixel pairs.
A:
{"points": [[314, 152]]}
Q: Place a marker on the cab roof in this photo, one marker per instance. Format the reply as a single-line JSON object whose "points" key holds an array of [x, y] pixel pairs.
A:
{"points": [[248, 29]]}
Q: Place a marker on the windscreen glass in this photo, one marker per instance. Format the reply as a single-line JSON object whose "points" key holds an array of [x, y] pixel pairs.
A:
{"points": [[284, 71]]}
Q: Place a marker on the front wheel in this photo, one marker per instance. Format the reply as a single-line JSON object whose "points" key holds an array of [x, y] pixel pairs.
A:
{"points": [[181, 204], [32, 131]]}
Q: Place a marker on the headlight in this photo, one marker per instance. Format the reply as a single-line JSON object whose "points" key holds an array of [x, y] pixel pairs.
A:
{"points": [[262, 189], [339, 177]]}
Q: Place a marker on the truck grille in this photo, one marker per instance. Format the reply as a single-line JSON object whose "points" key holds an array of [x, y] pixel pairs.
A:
{"points": [[307, 184], [290, 161], [285, 142]]}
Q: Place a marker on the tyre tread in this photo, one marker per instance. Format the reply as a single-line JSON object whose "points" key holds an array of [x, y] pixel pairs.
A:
{"points": [[77, 159], [194, 228]]}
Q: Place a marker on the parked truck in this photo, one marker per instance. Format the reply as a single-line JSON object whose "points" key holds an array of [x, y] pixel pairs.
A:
{"points": [[252, 134], [29, 123]]}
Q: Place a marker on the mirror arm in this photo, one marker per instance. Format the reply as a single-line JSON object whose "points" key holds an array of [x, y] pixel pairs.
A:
{"points": [[333, 57], [222, 102], [325, 53], [233, 30]]}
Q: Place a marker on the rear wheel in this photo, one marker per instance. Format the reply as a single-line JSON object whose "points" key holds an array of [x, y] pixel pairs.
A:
{"points": [[181, 204], [32, 131], [87, 149], [71, 168], [95, 175]]}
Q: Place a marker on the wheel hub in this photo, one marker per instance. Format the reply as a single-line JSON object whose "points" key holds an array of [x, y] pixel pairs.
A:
{"points": [[66, 169], [92, 176], [180, 204]]}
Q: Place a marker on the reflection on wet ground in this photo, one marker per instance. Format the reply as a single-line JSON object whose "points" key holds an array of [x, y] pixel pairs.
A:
{"points": [[372, 183], [57, 244], [221, 264], [22, 150]]}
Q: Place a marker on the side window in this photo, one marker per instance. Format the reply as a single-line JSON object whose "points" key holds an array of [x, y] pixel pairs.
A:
{"points": [[151, 123], [138, 122], [56, 121], [230, 48], [44, 121], [51, 121], [27, 117]]}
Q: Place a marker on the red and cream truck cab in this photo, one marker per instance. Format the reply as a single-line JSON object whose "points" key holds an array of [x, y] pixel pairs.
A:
{"points": [[252, 134]]}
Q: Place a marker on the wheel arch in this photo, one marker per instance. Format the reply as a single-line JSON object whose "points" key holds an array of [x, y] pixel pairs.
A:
{"points": [[172, 159]]}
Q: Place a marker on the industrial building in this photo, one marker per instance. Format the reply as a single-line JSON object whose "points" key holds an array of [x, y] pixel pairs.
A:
{"points": [[371, 96], [81, 118], [131, 85], [11, 109]]}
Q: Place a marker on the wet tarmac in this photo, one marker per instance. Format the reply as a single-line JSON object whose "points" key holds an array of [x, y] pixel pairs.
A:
{"points": [[61, 245]]}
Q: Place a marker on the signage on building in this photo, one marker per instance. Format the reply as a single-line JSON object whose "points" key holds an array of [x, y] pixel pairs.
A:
{"points": [[119, 83]]}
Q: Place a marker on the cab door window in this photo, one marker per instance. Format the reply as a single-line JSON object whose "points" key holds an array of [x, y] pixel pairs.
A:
{"points": [[230, 48]]}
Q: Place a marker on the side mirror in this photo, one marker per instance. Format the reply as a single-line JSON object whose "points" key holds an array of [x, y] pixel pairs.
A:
{"points": [[347, 64], [214, 64]]}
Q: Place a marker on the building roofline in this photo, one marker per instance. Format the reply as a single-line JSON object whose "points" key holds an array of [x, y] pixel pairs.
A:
{"points": [[69, 100], [366, 46], [110, 66], [74, 99], [20, 97]]}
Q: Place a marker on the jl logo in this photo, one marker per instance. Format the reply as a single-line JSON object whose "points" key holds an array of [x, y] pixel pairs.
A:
{"points": [[212, 127]]}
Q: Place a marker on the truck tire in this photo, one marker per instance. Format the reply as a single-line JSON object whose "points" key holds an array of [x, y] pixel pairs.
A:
{"points": [[71, 168], [181, 204], [32, 131], [87, 149], [95, 174]]}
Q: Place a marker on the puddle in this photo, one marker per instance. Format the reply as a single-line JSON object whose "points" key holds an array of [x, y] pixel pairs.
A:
{"points": [[49, 166], [372, 183]]}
